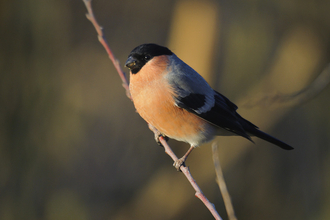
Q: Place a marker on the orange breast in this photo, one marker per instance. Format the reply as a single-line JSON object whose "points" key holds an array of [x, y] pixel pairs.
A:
{"points": [[153, 100]]}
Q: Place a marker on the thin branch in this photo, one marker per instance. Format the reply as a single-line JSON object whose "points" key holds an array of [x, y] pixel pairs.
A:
{"points": [[222, 184], [185, 170], [316, 87], [90, 16], [296, 98]]}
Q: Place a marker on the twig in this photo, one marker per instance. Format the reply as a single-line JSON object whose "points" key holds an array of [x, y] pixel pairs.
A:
{"points": [[306, 94], [90, 16], [185, 170], [296, 98], [222, 184]]}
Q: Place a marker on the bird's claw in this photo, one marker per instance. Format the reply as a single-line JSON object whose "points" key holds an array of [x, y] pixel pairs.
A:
{"points": [[178, 163], [157, 136]]}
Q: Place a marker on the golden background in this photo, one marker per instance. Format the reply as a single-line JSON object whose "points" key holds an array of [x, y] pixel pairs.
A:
{"points": [[72, 146]]}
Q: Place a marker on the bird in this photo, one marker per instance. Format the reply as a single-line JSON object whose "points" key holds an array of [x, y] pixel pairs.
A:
{"points": [[176, 100]]}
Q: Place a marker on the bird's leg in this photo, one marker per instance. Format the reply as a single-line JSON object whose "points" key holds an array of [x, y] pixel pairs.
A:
{"points": [[180, 162], [157, 135]]}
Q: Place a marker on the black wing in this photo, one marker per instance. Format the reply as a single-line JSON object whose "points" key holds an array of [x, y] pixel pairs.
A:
{"points": [[222, 114]]}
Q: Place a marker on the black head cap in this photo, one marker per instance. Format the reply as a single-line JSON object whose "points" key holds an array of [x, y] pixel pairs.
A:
{"points": [[142, 54]]}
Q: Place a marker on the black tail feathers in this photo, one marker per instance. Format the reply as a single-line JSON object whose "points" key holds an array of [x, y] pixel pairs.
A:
{"points": [[260, 134]]}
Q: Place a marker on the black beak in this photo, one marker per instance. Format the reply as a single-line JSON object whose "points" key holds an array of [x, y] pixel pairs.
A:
{"points": [[130, 63]]}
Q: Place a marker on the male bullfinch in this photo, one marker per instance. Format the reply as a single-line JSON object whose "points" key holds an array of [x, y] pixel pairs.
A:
{"points": [[176, 100]]}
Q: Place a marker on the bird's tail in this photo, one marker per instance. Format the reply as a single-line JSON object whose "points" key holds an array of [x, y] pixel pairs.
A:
{"points": [[253, 130], [260, 134]]}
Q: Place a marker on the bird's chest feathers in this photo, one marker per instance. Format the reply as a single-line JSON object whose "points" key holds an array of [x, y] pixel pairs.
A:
{"points": [[154, 100], [149, 89], [152, 97]]}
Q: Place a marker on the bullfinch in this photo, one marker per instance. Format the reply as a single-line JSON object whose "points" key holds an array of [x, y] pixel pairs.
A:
{"points": [[180, 104]]}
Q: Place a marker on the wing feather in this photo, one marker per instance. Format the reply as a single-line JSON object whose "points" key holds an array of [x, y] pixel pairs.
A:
{"points": [[222, 114], [194, 94]]}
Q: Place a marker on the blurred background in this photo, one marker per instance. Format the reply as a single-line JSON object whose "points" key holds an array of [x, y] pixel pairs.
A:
{"points": [[73, 147]]}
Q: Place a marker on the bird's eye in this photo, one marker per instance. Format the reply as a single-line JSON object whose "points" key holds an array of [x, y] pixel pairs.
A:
{"points": [[147, 57]]}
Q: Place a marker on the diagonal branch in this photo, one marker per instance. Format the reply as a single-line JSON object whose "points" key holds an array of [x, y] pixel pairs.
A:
{"points": [[90, 16], [185, 170], [302, 96]]}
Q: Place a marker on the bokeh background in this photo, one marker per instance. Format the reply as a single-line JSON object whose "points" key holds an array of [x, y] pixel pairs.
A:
{"points": [[72, 146]]}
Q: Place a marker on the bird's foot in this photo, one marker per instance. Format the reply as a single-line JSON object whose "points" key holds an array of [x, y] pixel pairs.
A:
{"points": [[179, 162], [159, 135]]}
